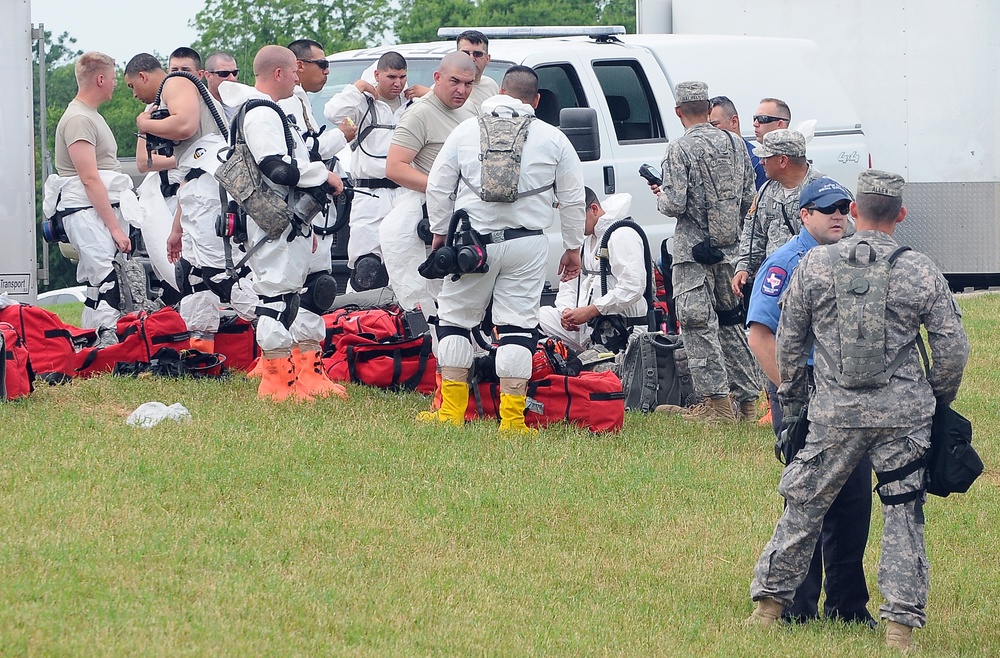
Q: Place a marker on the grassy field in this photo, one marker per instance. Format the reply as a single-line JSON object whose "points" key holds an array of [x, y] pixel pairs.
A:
{"points": [[348, 530]]}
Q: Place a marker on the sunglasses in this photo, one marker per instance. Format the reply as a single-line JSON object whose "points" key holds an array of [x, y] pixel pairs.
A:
{"points": [[844, 207], [226, 74], [323, 64], [478, 54], [766, 118]]}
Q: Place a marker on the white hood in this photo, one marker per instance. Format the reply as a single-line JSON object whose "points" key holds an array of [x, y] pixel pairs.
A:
{"points": [[615, 207], [503, 104], [234, 94]]}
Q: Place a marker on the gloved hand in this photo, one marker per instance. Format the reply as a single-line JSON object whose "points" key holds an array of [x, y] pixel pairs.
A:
{"points": [[792, 436], [430, 268]]}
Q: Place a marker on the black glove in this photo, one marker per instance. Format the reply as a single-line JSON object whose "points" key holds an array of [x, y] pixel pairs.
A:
{"points": [[792, 436], [430, 268]]}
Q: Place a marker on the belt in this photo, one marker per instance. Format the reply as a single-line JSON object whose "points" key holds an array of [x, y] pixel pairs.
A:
{"points": [[376, 183], [502, 235]]}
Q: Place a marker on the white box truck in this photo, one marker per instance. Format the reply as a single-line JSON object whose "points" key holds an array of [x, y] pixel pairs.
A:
{"points": [[18, 263], [924, 78], [628, 81]]}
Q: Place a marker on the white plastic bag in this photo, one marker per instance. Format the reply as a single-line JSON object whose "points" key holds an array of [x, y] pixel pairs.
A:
{"points": [[151, 413]]}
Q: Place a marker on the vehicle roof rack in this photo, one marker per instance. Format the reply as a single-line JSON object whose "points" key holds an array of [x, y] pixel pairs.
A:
{"points": [[596, 32]]}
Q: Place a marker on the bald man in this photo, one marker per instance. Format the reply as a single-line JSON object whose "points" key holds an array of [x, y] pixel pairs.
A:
{"points": [[280, 265], [417, 140]]}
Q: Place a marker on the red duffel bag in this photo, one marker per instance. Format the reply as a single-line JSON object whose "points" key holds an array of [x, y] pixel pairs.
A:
{"points": [[396, 364], [140, 336], [373, 323], [237, 341], [591, 399], [16, 375], [51, 342]]}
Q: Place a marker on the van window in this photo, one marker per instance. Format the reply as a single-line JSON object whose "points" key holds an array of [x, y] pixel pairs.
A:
{"points": [[631, 104], [558, 87]]}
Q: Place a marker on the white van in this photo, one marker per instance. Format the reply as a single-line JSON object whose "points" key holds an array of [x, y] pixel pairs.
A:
{"points": [[628, 80]]}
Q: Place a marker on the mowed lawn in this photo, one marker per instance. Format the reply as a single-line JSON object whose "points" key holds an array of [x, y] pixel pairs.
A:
{"points": [[346, 529]]}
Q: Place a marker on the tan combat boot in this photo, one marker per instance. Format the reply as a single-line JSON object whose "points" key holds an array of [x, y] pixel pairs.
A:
{"points": [[767, 613], [712, 410], [671, 409], [747, 411], [898, 636]]}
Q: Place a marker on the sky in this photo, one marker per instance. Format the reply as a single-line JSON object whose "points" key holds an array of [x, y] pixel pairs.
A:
{"points": [[120, 28]]}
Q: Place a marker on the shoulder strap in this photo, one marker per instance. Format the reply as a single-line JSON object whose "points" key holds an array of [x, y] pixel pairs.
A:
{"points": [[238, 136], [205, 97]]}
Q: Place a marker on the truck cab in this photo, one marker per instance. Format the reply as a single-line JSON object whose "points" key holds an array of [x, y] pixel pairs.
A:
{"points": [[628, 81]]}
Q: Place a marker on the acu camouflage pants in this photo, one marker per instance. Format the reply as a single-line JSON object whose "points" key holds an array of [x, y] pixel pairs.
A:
{"points": [[809, 485]]}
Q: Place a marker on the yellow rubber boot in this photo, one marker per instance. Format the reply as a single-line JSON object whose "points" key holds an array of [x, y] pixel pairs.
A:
{"points": [[310, 375], [278, 380], [454, 401], [513, 398]]}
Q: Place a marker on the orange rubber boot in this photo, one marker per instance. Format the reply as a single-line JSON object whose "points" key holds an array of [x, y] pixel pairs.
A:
{"points": [[278, 380], [310, 375]]}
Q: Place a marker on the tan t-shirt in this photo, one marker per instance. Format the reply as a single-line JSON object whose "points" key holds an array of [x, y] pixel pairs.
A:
{"points": [[425, 125], [81, 122], [487, 87]]}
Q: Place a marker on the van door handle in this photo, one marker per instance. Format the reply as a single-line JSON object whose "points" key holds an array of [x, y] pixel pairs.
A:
{"points": [[609, 179]]}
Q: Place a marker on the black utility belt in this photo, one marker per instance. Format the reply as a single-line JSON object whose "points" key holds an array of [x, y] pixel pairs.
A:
{"points": [[376, 183], [502, 235]]}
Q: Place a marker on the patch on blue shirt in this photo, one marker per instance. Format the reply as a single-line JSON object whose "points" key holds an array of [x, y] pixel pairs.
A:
{"points": [[774, 281]]}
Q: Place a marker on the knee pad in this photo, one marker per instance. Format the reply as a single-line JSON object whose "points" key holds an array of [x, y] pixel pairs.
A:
{"points": [[515, 350], [112, 295], [369, 273], [286, 316], [319, 293], [454, 348]]}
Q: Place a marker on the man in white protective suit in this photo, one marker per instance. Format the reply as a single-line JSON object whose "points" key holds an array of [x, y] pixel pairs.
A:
{"points": [[374, 105], [196, 132], [320, 289], [416, 141], [280, 266], [512, 233], [579, 300], [85, 192]]}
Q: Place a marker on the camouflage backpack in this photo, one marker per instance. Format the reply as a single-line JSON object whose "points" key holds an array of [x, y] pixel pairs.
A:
{"points": [[862, 286], [501, 140]]}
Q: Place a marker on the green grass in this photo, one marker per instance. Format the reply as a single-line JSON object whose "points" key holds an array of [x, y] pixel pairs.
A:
{"points": [[348, 530]]}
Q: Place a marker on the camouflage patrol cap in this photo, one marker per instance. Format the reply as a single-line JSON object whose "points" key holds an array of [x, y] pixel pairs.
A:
{"points": [[688, 92], [782, 142], [874, 181]]}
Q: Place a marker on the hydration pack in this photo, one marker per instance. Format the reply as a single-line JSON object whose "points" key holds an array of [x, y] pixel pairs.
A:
{"points": [[501, 141], [862, 286]]}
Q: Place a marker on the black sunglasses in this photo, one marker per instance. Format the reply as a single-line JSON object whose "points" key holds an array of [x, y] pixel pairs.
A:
{"points": [[226, 74], [323, 64], [767, 118], [477, 54], [843, 206]]}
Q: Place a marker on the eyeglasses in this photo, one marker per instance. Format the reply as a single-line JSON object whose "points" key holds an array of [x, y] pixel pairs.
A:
{"points": [[477, 54], [323, 64], [767, 118], [843, 207], [226, 74]]}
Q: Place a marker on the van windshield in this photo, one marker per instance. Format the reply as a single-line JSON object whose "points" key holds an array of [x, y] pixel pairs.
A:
{"points": [[418, 72]]}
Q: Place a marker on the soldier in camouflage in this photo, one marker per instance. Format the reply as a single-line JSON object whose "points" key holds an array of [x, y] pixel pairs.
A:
{"points": [[891, 423], [708, 185], [774, 217]]}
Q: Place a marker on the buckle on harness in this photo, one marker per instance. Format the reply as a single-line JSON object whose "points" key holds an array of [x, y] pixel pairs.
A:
{"points": [[498, 236]]}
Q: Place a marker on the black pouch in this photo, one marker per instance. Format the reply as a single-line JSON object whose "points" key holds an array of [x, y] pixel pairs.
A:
{"points": [[952, 463], [706, 254]]}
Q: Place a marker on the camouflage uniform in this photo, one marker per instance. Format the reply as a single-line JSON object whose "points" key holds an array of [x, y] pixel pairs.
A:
{"points": [[891, 423], [708, 171], [766, 225]]}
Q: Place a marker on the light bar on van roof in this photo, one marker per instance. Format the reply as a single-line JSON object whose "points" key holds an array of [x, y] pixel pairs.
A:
{"points": [[536, 31]]}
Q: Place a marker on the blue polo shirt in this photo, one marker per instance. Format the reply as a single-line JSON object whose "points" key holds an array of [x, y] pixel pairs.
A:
{"points": [[773, 277], [758, 168]]}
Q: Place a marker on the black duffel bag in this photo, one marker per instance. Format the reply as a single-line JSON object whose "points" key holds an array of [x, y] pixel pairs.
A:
{"points": [[952, 463]]}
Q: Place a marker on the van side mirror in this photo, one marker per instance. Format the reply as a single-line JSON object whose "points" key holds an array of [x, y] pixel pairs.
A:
{"points": [[579, 124]]}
